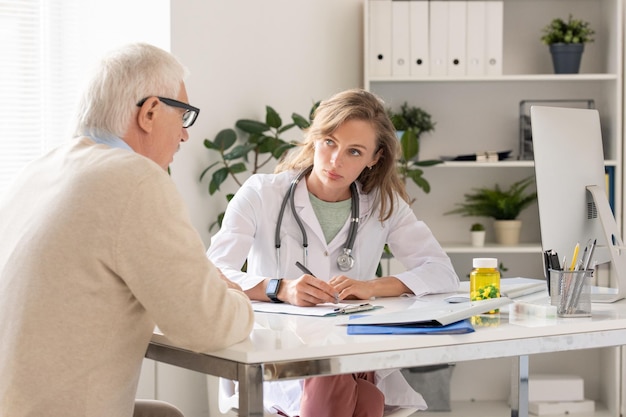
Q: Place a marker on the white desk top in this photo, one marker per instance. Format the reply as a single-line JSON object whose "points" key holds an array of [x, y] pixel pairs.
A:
{"points": [[280, 341]]}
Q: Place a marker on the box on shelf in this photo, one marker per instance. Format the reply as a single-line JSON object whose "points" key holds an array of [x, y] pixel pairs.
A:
{"points": [[540, 408], [555, 388]]}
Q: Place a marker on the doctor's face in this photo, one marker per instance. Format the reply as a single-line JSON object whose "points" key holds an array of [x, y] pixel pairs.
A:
{"points": [[339, 159]]}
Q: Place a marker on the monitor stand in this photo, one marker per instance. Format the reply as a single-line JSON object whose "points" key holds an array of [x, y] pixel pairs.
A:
{"points": [[614, 245]]}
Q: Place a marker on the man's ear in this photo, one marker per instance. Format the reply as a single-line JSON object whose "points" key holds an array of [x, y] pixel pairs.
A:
{"points": [[147, 114]]}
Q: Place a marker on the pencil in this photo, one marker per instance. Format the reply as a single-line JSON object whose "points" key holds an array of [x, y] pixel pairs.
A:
{"points": [[574, 257]]}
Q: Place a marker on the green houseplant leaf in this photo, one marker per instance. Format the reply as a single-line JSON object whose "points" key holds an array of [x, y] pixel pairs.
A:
{"points": [[497, 203], [412, 121], [243, 155], [570, 31]]}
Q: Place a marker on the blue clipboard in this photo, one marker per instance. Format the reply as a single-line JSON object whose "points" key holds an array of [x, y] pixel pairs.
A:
{"points": [[459, 327]]}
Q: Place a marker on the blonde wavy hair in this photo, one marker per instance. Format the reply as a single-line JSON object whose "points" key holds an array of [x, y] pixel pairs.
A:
{"points": [[356, 104]]}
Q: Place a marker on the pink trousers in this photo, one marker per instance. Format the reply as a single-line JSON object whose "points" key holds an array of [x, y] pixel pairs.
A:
{"points": [[350, 395]]}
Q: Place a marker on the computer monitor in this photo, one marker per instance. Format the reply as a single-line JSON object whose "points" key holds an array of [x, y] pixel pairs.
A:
{"points": [[571, 191]]}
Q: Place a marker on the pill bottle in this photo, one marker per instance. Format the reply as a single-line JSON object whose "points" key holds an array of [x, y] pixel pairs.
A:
{"points": [[485, 280]]}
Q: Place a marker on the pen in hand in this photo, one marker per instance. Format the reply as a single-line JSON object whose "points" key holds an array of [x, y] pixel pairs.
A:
{"points": [[307, 271]]}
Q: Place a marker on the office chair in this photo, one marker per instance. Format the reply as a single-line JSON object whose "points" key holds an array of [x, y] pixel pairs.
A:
{"points": [[155, 408], [228, 401]]}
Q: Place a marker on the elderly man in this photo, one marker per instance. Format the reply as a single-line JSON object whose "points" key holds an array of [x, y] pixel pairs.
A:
{"points": [[97, 249]]}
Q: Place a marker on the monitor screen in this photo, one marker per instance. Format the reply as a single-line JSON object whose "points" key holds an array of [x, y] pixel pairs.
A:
{"points": [[568, 157]]}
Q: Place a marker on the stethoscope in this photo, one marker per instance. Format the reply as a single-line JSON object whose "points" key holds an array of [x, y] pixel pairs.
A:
{"points": [[345, 261]]}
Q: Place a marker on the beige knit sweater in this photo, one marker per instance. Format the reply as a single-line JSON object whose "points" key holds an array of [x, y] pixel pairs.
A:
{"points": [[96, 247]]}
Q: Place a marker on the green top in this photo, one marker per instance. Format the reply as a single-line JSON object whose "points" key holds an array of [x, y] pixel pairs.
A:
{"points": [[331, 215]]}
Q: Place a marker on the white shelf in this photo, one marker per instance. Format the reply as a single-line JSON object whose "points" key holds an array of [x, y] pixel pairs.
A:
{"points": [[490, 409], [502, 78], [478, 113], [500, 164], [491, 248]]}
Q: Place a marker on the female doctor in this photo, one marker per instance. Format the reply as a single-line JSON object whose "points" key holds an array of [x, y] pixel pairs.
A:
{"points": [[332, 205]]}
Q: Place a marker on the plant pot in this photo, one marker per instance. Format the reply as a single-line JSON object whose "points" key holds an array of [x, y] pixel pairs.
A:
{"points": [[507, 231], [478, 238], [566, 57]]}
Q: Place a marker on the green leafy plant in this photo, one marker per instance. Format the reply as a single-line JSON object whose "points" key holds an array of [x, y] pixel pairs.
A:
{"points": [[412, 122], [477, 227], [497, 203], [570, 31], [412, 118], [260, 143]]}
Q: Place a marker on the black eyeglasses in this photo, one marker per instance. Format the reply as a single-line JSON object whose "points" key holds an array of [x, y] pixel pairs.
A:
{"points": [[189, 116]]}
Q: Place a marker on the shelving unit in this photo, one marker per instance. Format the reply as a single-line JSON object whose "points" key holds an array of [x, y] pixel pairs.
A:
{"points": [[481, 113]]}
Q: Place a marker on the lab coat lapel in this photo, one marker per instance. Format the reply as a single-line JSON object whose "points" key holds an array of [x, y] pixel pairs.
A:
{"points": [[306, 213]]}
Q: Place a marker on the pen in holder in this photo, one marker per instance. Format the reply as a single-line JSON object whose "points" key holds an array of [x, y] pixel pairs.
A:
{"points": [[571, 292]]}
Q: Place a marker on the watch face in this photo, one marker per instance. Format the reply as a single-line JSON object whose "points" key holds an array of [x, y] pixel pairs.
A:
{"points": [[272, 286]]}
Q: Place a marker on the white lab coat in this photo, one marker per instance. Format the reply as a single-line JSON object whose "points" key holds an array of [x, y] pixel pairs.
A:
{"points": [[248, 232]]}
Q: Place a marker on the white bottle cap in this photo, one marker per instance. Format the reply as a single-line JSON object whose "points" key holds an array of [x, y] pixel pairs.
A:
{"points": [[485, 263]]}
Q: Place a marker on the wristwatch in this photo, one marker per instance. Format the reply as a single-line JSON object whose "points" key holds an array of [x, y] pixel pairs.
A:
{"points": [[272, 290]]}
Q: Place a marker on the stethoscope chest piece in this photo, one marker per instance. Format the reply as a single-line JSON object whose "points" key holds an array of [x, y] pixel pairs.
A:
{"points": [[345, 261]]}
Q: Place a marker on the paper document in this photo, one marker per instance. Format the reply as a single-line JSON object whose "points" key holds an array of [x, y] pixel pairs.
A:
{"points": [[513, 290], [320, 310], [433, 313]]}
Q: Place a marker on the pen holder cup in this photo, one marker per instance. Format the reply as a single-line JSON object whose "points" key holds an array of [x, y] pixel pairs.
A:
{"points": [[570, 292]]}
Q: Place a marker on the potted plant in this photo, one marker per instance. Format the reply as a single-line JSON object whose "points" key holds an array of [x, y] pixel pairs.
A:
{"points": [[477, 232], [260, 143], [410, 123], [504, 206], [566, 40]]}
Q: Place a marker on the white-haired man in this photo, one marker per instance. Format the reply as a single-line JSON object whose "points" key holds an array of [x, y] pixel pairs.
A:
{"points": [[97, 249]]}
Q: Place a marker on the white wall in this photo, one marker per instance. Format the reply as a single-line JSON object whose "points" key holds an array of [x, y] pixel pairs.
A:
{"points": [[246, 54]]}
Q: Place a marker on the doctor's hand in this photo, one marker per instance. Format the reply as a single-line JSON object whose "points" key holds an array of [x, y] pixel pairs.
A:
{"points": [[352, 289], [307, 291]]}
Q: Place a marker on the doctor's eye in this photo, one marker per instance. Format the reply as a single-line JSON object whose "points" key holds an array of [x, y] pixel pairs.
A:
{"points": [[329, 142], [355, 152]]}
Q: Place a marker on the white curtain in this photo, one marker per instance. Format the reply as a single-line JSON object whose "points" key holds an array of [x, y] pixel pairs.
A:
{"points": [[47, 48], [38, 69]]}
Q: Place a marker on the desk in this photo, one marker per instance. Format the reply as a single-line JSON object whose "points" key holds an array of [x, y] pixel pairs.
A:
{"points": [[286, 347]]}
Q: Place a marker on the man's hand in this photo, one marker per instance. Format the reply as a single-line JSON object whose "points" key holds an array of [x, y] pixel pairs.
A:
{"points": [[228, 282]]}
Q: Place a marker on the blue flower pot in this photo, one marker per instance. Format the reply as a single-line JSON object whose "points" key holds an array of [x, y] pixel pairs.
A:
{"points": [[566, 57]]}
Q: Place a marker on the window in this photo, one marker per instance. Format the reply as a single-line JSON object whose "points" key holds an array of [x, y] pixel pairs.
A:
{"points": [[38, 69], [47, 48]]}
